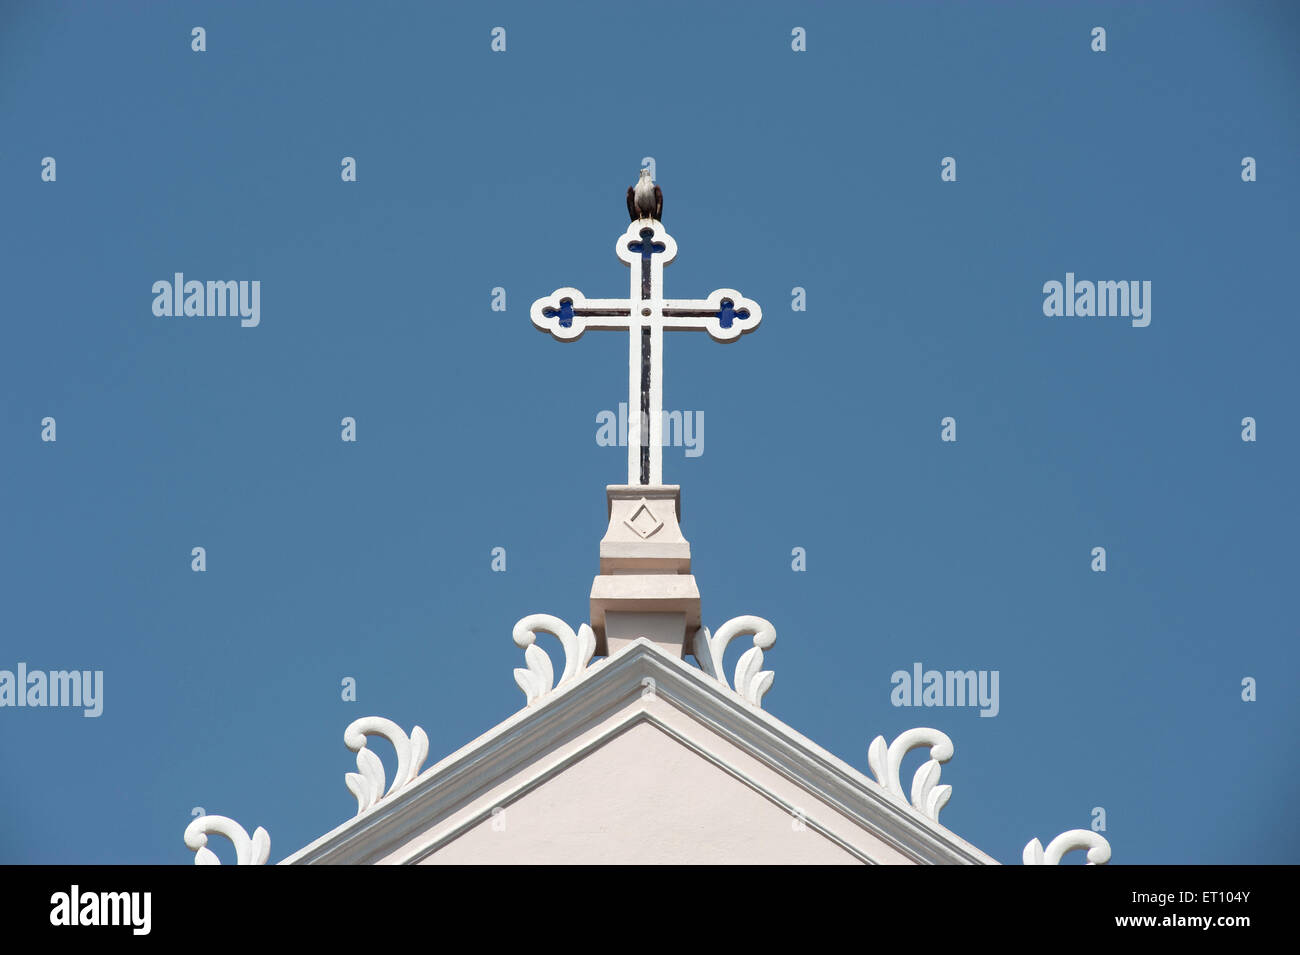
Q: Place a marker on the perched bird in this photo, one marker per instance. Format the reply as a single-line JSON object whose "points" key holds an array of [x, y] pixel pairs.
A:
{"points": [[645, 200]]}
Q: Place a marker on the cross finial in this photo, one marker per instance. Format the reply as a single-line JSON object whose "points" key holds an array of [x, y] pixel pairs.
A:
{"points": [[645, 247], [645, 587]]}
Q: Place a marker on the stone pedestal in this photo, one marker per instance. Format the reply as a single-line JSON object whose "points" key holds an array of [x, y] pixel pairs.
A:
{"points": [[645, 587]]}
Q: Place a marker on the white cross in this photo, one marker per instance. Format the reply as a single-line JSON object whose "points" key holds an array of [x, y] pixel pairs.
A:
{"points": [[725, 314]]}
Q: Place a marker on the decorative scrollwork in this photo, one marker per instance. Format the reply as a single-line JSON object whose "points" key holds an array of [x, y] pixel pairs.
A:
{"points": [[248, 851], [885, 761], [751, 681], [368, 784], [1096, 844], [539, 678]]}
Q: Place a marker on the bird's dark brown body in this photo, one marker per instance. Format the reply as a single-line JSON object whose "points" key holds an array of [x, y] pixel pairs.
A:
{"points": [[645, 200]]}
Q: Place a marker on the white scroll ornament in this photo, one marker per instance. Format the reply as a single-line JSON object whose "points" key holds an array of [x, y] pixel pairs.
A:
{"points": [[368, 784], [885, 761], [248, 851], [539, 679], [751, 680], [1096, 844]]}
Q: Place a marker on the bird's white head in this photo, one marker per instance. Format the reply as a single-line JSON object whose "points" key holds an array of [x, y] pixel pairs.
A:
{"points": [[645, 174]]}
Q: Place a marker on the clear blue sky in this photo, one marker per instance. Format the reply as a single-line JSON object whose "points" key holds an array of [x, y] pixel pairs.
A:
{"points": [[780, 169]]}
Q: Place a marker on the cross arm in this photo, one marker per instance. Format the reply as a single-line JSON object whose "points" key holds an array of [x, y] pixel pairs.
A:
{"points": [[566, 313], [725, 314]]}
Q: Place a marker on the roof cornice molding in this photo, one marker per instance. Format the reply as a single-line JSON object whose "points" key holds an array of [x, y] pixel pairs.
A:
{"points": [[515, 750]]}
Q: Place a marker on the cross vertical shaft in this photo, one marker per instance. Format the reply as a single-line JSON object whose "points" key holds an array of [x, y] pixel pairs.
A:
{"points": [[646, 349], [645, 358]]}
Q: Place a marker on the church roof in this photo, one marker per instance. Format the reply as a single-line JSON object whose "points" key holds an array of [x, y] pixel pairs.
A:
{"points": [[639, 758], [677, 726]]}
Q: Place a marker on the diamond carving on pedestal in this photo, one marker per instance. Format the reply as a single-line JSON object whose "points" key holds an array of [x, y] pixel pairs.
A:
{"points": [[643, 521]]}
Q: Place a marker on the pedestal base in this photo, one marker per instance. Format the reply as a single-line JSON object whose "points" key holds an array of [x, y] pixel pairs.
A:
{"points": [[645, 587]]}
